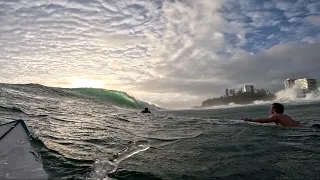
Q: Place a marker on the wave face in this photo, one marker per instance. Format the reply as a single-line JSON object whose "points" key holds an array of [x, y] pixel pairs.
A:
{"points": [[37, 91], [115, 97]]}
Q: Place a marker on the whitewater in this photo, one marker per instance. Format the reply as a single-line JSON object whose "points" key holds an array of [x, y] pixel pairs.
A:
{"points": [[293, 95], [86, 133]]}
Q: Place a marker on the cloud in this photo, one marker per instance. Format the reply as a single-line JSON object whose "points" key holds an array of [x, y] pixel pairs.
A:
{"points": [[278, 63], [264, 18], [173, 53], [293, 14], [292, 5], [314, 20], [294, 19], [266, 69], [309, 40], [284, 5], [314, 8]]}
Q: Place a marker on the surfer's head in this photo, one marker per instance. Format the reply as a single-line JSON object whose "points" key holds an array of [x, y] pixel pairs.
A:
{"points": [[146, 109], [276, 108]]}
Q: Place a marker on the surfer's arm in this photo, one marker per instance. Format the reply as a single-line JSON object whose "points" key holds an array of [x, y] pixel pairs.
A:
{"points": [[262, 120]]}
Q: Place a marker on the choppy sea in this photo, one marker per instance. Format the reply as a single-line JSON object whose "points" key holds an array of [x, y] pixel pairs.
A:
{"points": [[80, 130]]}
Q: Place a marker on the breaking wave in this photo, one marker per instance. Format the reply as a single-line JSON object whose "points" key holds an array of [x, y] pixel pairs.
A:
{"points": [[112, 96], [37, 91], [295, 93], [291, 95]]}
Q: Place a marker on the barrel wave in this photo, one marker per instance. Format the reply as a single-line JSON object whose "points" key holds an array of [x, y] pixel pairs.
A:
{"points": [[110, 97], [115, 97]]}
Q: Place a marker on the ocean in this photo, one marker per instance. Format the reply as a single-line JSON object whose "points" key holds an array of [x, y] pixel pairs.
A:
{"points": [[78, 132]]}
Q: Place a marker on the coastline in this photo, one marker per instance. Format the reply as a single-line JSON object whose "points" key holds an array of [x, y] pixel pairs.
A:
{"points": [[241, 99]]}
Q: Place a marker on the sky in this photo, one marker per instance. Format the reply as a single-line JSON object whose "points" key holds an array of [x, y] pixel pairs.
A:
{"points": [[173, 53]]}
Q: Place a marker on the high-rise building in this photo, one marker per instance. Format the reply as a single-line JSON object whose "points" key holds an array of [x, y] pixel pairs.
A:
{"points": [[231, 92], [288, 83], [307, 84], [227, 92], [248, 89]]}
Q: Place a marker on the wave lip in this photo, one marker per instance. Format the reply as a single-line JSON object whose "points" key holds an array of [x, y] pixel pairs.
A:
{"points": [[115, 97]]}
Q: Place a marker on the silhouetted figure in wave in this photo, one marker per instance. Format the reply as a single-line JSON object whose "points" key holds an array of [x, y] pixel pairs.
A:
{"points": [[146, 110]]}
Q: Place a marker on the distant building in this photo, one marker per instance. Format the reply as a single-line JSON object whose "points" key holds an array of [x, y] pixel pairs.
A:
{"points": [[248, 89], [288, 83], [307, 84], [230, 92]]}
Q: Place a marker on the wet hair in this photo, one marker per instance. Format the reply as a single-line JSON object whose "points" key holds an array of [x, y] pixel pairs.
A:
{"points": [[279, 108]]}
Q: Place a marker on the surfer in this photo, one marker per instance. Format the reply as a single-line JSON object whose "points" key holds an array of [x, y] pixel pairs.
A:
{"points": [[277, 116], [146, 110]]}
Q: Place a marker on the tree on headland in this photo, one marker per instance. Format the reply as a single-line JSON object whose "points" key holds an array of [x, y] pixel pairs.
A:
{"points": [[240, 97]]}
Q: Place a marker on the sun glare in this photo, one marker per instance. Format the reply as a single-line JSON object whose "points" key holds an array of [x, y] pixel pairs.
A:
{"points": [[80, 83]]}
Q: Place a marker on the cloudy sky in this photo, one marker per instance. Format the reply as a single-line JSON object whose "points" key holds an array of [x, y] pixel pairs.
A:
{"points": [[174, 53]]}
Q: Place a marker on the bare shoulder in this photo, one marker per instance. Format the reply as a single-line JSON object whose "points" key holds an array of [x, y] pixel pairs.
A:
{"points": [[286, 116], [282, 117], [274, 117]]}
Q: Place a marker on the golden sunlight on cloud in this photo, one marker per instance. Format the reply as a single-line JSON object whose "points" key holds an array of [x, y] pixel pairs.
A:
{"points": [[117, 41], [79, 83], [115, 64]]}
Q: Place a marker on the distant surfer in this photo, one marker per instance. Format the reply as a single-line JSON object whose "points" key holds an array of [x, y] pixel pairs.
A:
{"points": [[146, 110], [279, 118]]}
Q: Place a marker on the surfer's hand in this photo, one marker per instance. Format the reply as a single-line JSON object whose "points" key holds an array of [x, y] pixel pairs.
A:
{"points": [[246, 119]]}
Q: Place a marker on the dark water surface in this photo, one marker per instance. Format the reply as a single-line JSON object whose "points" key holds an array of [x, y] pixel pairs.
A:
{"points": [[75, 130]]}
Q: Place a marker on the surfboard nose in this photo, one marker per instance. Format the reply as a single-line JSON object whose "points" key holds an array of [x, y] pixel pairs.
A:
{"points": [[18, 158]]}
